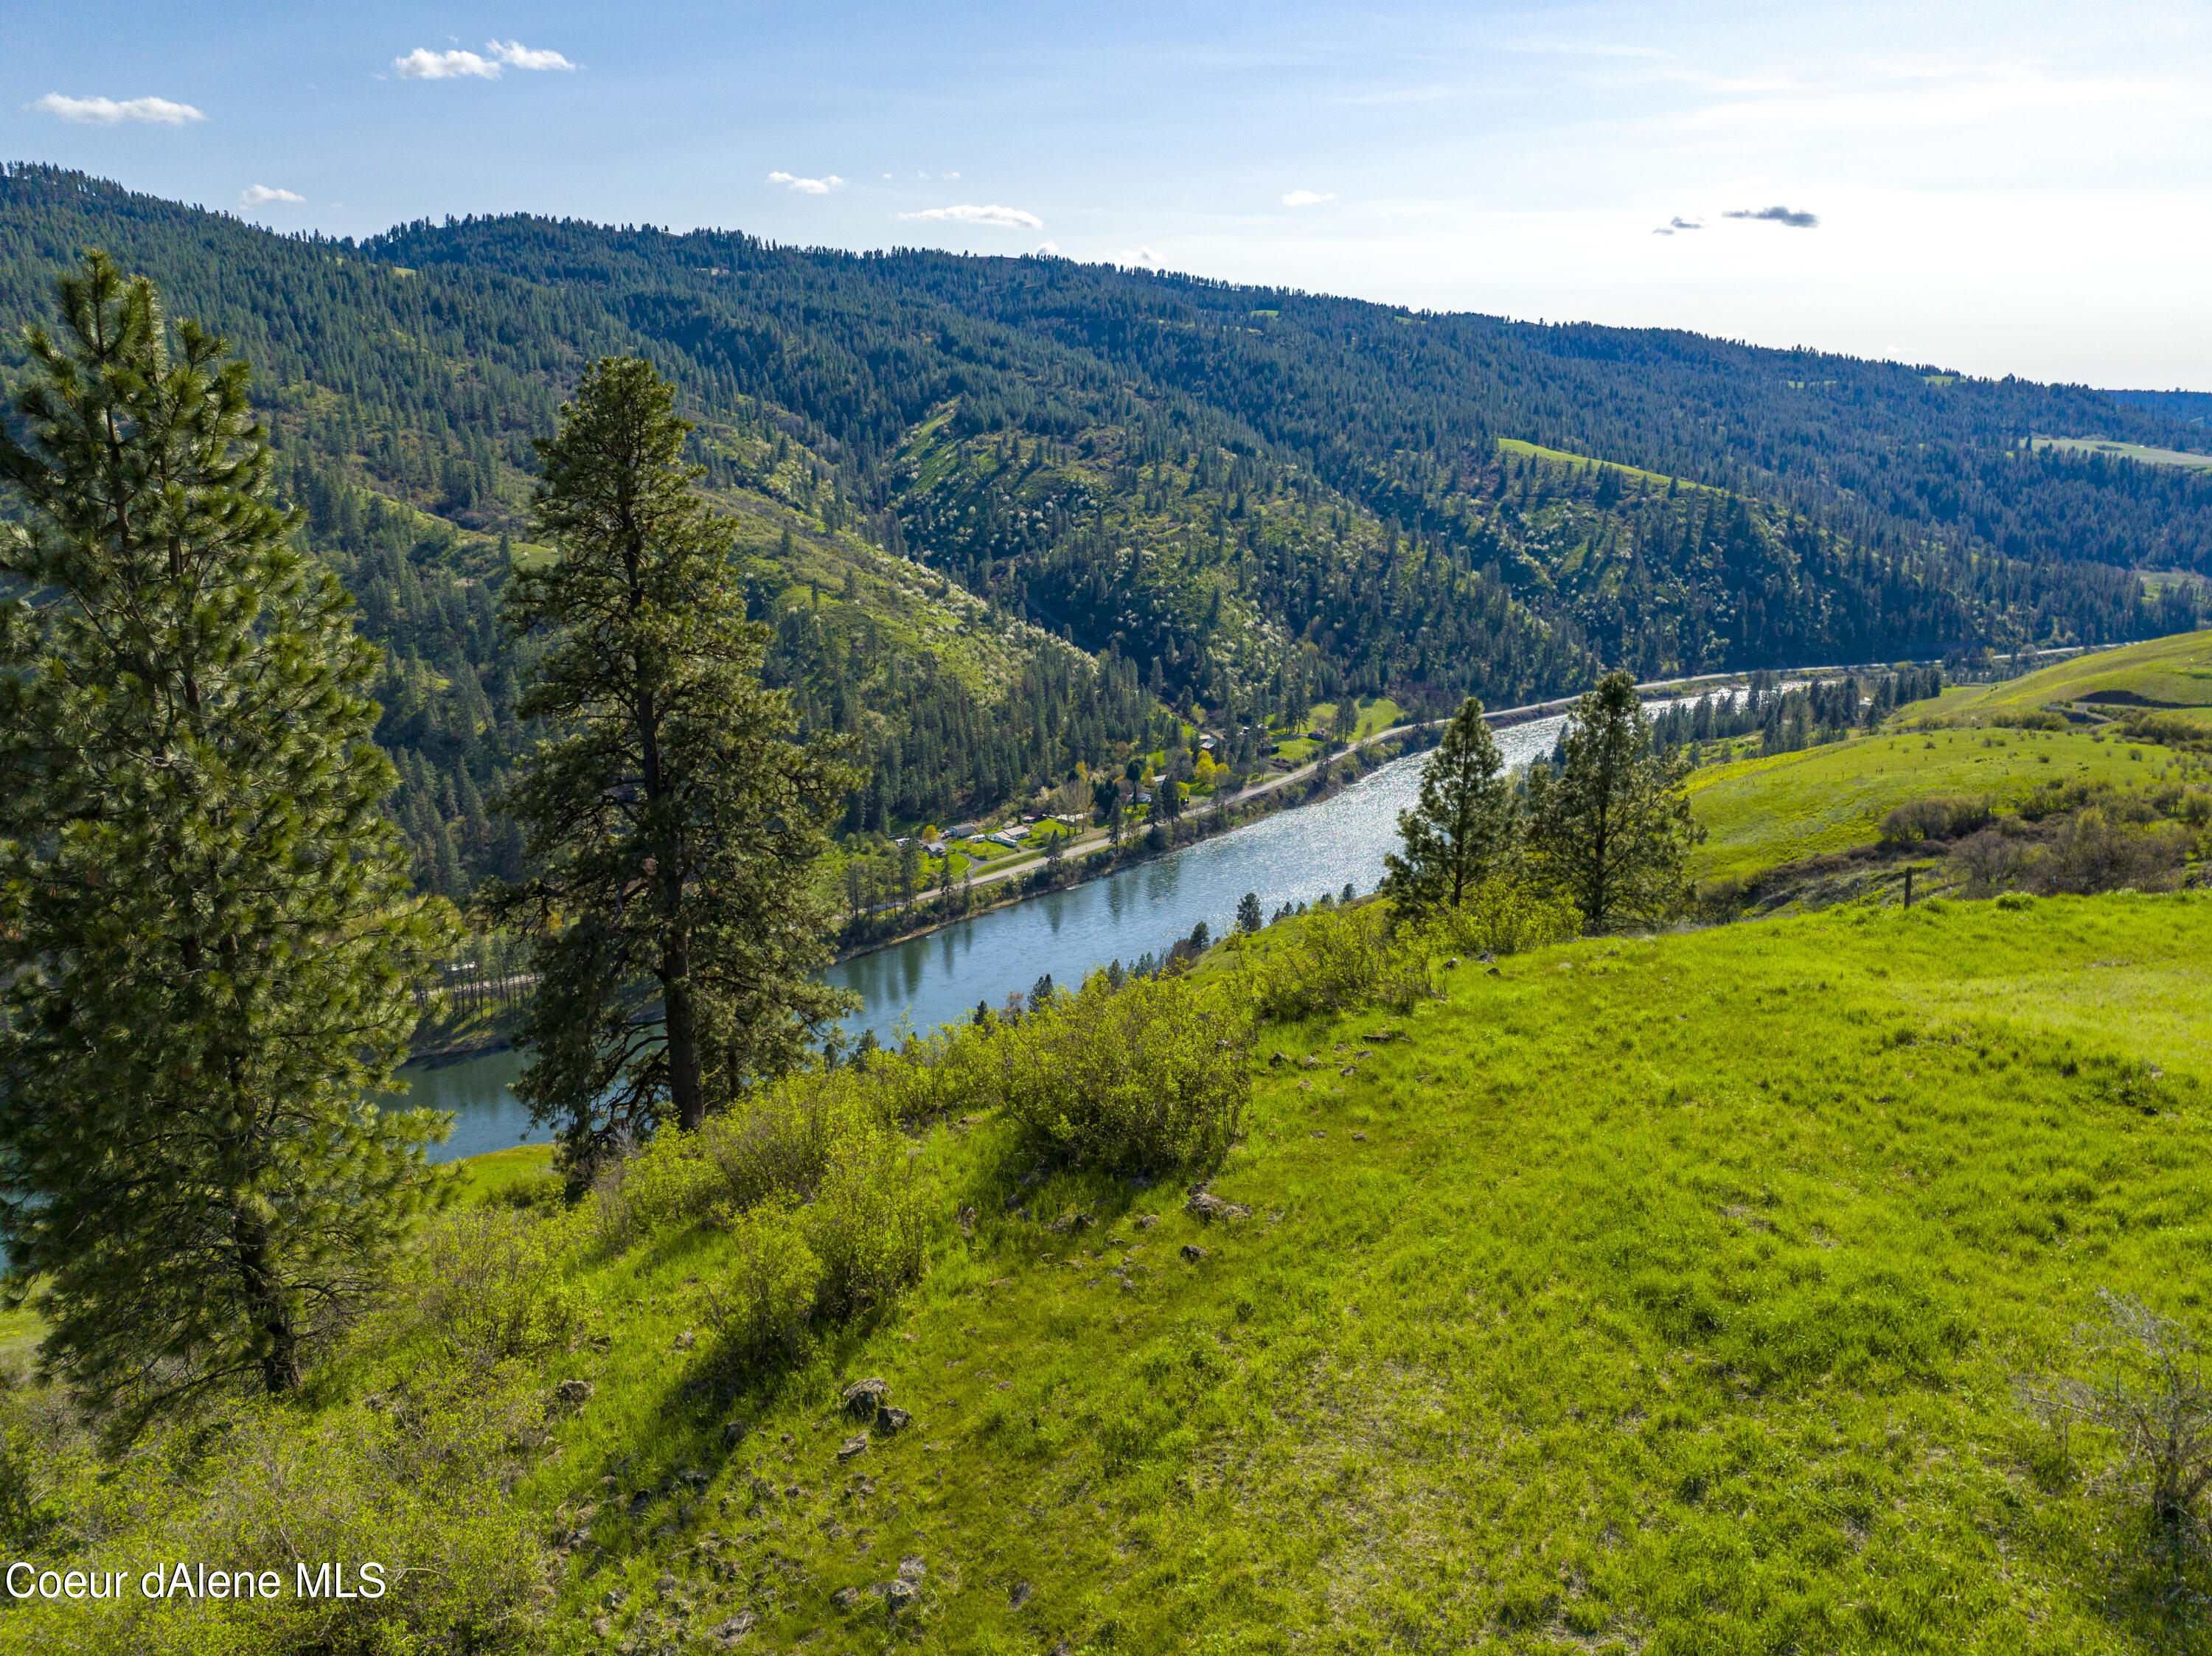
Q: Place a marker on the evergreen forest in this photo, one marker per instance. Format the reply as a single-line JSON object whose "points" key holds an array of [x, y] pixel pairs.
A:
{"points": [[1011, 517]]}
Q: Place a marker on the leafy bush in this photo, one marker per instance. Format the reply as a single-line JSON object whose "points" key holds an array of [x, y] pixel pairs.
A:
{"points": [[2093, 853], [1338, 959], [1502, 916], [761, 1304], [866, 1221], [414, 1482], [1945, 816], [487, 1284], [1151, 1076]]}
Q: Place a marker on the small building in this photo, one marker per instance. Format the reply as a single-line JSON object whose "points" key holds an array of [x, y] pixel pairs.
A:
{"points": [[964, 830]]}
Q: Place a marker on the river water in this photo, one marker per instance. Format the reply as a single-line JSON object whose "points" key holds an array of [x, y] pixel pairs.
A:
{"points": [[1294, 855]]}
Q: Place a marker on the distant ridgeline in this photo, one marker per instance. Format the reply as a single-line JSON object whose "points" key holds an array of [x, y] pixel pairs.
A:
{"points": [[2191, 407], [1121, 489]]}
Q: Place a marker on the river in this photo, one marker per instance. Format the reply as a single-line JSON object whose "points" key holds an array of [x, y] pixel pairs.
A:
{"points": [[1293, 856]]}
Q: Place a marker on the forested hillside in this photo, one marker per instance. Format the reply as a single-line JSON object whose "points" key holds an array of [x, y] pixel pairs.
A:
{"points": [[998, 511]]}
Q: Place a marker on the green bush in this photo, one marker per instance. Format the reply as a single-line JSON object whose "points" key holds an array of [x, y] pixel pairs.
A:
{"points": [[487, 1284], [1151, 1076], [760, 1305], [866, 1222], [1502, 916], [414, 1482], [1945, 816], [1338, 959]]}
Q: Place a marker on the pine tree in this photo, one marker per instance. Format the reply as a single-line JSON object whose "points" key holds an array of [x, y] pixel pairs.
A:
{"points": [[1610, 828], [1249, 915], [675, 821], [207, 934], [1466, 825]]}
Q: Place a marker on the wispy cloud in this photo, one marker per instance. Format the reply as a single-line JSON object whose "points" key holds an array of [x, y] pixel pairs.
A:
{"points": [[1306, 198], [1007, 218], [1794, 219], [106, 111], [1139, 255], [258, 195], [806, 186], [1047, 250], [423, 65], [1674, 224]]}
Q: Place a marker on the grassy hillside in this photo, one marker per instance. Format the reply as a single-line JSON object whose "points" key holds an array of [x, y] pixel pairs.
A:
{"points": [[2166, 672], [1653, 1296], [1759, 813]]}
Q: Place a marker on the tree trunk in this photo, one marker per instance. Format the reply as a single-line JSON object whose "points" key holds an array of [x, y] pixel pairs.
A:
{"points": [[687, 1089], [266, 1307]]}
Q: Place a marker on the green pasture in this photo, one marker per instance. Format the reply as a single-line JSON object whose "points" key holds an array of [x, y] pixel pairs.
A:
{"points": [[1760, 813], [2175, 672], [2138, 452], [1652, 1295]]}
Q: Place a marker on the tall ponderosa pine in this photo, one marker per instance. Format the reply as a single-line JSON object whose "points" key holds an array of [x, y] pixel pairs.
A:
{"points": [[1465, 828], [204, 921], [675, 820], [1610, 828]]}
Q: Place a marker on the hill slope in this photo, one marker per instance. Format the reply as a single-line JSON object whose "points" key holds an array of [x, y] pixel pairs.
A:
{"points": [[1649, 1295]]}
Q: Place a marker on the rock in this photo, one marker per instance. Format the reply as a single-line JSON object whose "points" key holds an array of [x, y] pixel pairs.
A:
{"points": [[968, 1222], [1359, 1138], [1349, 1069], [1146, 1221], [734, 1433], [1205, 1206], [1019, 1595], [845, 1598], [736, 1627], [1309, 1062], [855, 1445], [911, 1569], [900, 1594], [1193, 1251], [893, 1420], [1492, 972], [694, 1477], [572, 1393], [863, 1397], [1451, 962], [1487, 958], [1276, 1058], [686, 1340]]}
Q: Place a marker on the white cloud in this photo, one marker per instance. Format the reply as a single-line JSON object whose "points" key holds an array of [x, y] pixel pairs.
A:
{"points": [[951, 175], [258, 195], [1006, 218], [423, 65], [1139, 255], [515, 55], [1306, 198], [1048, 250], [807, 186], [106, 111]]}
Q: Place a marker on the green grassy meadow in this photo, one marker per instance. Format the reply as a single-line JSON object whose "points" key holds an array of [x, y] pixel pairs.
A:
{"points": [[2142, 452], [2175, 672], [1653, 1296], [1760, 813]]}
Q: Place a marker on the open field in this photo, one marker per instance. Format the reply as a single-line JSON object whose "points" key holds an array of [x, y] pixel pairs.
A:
{"points": [[2137, 451], [1760, 813], [2173, 672], [1520, 450], [1706, 1352]]}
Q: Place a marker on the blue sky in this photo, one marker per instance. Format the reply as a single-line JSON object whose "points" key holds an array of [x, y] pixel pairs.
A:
{"points": [[1999, 188]]}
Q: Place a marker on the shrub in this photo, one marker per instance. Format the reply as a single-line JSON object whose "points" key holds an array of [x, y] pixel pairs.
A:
{"points": [[2093, 853], [1946, 817], [866, 1221], [1502, 916], [1341, 958], [1991, 860], [759, 1307], [1151, 1076], [415, 1480], [487, 1284]]}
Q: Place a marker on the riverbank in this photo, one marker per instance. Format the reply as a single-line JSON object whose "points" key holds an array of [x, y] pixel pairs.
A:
{"points": [[1090, 857]]}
